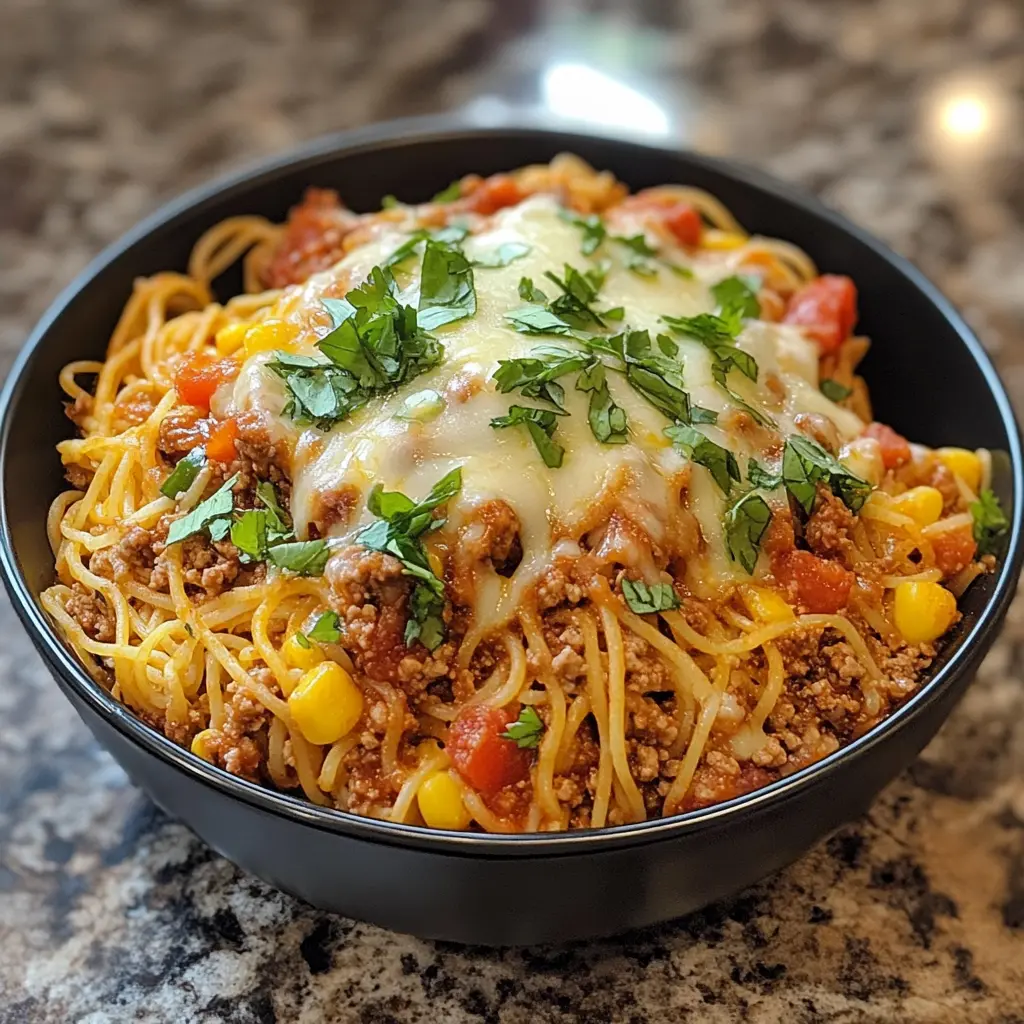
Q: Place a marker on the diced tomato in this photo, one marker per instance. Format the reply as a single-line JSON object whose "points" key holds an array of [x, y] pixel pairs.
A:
{"points": [[954, 549], [820, 585], [199, 375], [684, 222], [493, 194], [827, 309], [894, 447], [486, 760], [221, 445]]}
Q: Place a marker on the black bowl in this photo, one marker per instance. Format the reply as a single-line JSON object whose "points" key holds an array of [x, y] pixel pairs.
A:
{"points": [[929, 376]]}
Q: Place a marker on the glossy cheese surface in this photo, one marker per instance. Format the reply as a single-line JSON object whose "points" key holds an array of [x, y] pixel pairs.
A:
{"points": [[408, 440]]}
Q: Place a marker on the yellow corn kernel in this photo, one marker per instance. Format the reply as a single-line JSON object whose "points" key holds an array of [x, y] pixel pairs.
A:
{"points": [[326, 704], [962, 463], [765, 605], [922, 504], [229, 339], [270, 335], [202, 743], [722, 240], [923, 611], [436, 565], [440, 802], [301, 657]]}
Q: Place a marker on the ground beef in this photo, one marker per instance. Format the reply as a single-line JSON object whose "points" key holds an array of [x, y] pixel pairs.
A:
{"points": [[828, 530], [131, 558], [78, 476], [90, 611], [185, 427]]}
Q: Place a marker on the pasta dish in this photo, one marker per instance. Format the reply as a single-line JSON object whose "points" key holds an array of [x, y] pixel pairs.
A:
{"points": [[539, 505]]}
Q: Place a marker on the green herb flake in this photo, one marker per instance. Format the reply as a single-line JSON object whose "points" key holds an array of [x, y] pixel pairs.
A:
{"points": [[212, 515], [645, 600], [834, 391], [389, 202], [592, 227], [184, 473], [718, 461], [761, 477], [302, 640], [506, 253], [745, 524], [805, 464], [449, 194], [326, 629], [526, 731], [529, 293], [990, 522], [447, 292], [302, 557], [540, 424], [249, 535]]}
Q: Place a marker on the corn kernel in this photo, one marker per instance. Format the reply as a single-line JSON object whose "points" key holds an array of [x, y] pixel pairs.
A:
{"points": [[765, 605], [922, 504], [301, 657], [440, 802], [722, 240], [923, 611], [326, 704], [269, 335], [436, 565], [963, 464], [229, 339], [202, 744]]}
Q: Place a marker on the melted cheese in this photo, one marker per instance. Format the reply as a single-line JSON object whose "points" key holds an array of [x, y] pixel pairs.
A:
{"points": [[647, 478]]}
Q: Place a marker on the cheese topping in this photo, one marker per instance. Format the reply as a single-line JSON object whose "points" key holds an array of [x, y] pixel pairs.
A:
{"points": [[440, 420]]}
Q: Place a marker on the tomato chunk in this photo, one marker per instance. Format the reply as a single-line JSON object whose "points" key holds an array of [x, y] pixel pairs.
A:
{"points": [[199, 376], [894, 447], [494, 193], [221, 445], [821, 586], [827, 309], [954, 549], [684, 222], [486, 760]]}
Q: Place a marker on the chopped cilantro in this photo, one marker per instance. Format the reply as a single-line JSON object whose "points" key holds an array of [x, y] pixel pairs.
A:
{"points": [[212, 515], [529, 293], [526, 730], [644, 599], [184, 473], [505, 254], [607, 420], [592, 227], [446, 286], [805, 464], [834, 391], [718, 461], [745, 525], [990, 522], [249, 535], [326, 629], [449, 194], [540, 423], [760, 477]]}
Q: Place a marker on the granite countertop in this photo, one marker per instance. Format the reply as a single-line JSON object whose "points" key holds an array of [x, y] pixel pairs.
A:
{"points": [[906, 115]]}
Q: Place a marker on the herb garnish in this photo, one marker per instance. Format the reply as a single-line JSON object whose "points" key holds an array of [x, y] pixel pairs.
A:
{"points": [[745, 525], [212, 515], [592, 227], [184, 473], [303, 557], [446, 286], [526, 730], [377, 344], [529, 293], [449, 194], [834, 391], [326, 629], [249, 535], [644, 599], [805, 463], [718, 461], [536, 376], [761, 477], [402, 523], [505, 254], [540, 423], [607, 420], [990, 522], [578, 291]]}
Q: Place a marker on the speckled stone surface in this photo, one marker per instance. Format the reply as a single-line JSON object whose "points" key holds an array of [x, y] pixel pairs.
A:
{"points": [[906, 114]]}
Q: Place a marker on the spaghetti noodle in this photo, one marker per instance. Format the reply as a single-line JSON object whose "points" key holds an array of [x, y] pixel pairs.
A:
{"points": [[537, 506]]}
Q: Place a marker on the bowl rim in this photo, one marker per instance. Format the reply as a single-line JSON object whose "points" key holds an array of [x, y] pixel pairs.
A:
{"points": [[79, 686]]}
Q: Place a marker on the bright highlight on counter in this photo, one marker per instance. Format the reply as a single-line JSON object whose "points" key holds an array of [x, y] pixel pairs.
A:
{"points": [[584, 93], [966, 116]]}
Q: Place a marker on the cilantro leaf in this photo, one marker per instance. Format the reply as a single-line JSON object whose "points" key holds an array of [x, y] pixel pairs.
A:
{"points": [[539, 320], [249, 535], [278, 521], [326, 629], [526, 730], [737, 299], [990, 522], [760, 477], [745, 524], [212, 515], [607, 420], [644, 599], [616, 313], [579, 290], [805, 463], [535, 376], [637, 243], [592, 227], [698, 414], [184, 473], [529, 293], [540, 423], [389, 202], [302, 557], [718, 461], [449, 194], [505, 254], [447, 293], [834, 391]]}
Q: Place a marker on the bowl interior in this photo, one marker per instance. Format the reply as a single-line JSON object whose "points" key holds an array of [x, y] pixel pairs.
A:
{"points": [[928, 377]]}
